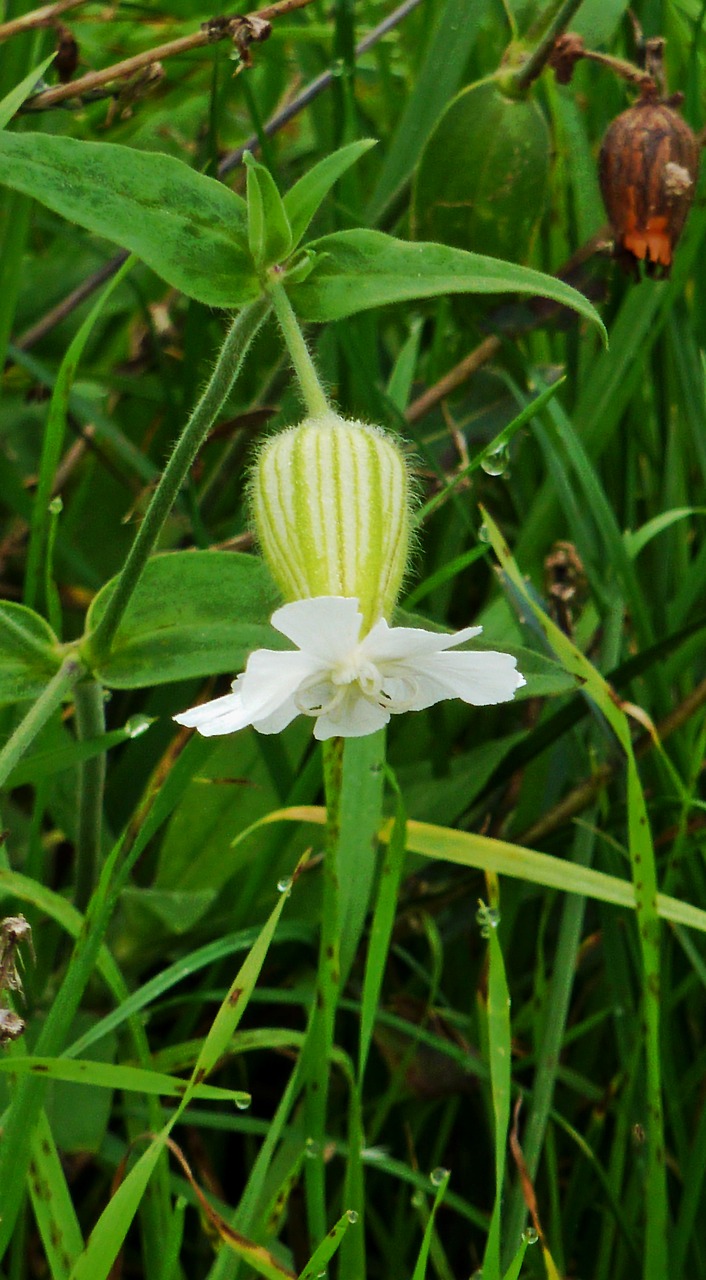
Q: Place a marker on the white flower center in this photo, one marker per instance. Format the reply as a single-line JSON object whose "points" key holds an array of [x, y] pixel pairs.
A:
{"points": [[390, 692]]}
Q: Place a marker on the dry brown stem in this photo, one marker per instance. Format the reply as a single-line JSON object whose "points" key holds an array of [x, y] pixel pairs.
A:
{"points": [[42, 17], [242, 30]]}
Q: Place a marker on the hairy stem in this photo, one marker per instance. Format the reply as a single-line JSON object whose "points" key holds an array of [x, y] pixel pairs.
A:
{"points": [[66, 677], [226, 370], [311, 388]]}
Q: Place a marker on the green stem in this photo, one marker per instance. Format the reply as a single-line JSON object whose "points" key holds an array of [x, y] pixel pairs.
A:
{"points": [[90, 723], [66, 677], [562, 11], [226, 370], [304, 367], [327, 992]]}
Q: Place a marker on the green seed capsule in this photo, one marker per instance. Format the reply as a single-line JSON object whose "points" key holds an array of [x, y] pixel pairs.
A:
{"points": [[483, 177]]}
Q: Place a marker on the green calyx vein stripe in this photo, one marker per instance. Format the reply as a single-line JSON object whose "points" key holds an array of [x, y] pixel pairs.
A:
{"points": [[330, 502]]}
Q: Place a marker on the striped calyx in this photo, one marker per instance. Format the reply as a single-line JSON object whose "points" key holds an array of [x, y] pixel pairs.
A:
{"points": [[331, 504]]}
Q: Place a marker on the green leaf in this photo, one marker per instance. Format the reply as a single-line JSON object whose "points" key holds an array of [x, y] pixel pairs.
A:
{"points": [[52, 1205], [440, 1181], [484, 853], [29, 656], [111, 1228], [500, 1060], [194, 613], [636, 540], [304, 198], [189, 228], [316, 1266], [12, 102], [109, 1075], [361, 269], [269, 232], [234, 1005]]}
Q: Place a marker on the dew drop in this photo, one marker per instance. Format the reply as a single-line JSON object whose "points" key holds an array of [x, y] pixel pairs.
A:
{"points": [[56, 506], [497, 462], [417, 1199], [484, 533], [351, 1215], [311, 1148], [137, 725], [243, 1101], [284, 885], [530, 1236], [488, 918], [438, 1176]]}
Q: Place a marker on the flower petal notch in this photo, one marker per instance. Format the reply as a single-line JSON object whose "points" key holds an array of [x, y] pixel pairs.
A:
{"points": [[352, 683]]}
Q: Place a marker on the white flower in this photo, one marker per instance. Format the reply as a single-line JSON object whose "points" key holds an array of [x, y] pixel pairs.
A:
{"points": [[352, 686]]}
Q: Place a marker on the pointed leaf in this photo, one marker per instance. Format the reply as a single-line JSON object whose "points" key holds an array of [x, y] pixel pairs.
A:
{"points": [[361, 269], [269, 232], [189, 228], [28, 653], [12, 102], [304, 198]]}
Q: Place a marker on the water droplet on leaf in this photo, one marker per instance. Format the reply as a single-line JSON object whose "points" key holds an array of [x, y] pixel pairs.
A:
{"points": [[497, 462], [530, 1236], [351, 1215], [438, 1176], [137, 725], [284, 885]]}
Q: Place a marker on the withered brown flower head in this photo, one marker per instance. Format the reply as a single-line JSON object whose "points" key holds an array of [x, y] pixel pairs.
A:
{"points": [[11, 1026], [649, 164], [14, 930]]}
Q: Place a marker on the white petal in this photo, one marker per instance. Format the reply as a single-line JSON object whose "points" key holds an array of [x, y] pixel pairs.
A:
{"points": [[481, 679], [264, 692], [384, 643], [271, 678], [354, 717], [279, 719], [325, 627], [221, 715]]}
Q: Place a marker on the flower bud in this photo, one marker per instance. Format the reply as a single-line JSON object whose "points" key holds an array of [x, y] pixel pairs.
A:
{"points": [[330, 501], [648, 168]]}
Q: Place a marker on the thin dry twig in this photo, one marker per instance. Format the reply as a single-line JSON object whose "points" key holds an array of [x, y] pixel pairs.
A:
{"points": [[42, 17], [313, 89], [460, 373], [68, 304], [243, 30]]}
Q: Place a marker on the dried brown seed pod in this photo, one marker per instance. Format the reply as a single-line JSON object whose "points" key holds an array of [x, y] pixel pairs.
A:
{"points": [[649, 164], [66, 60]]}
